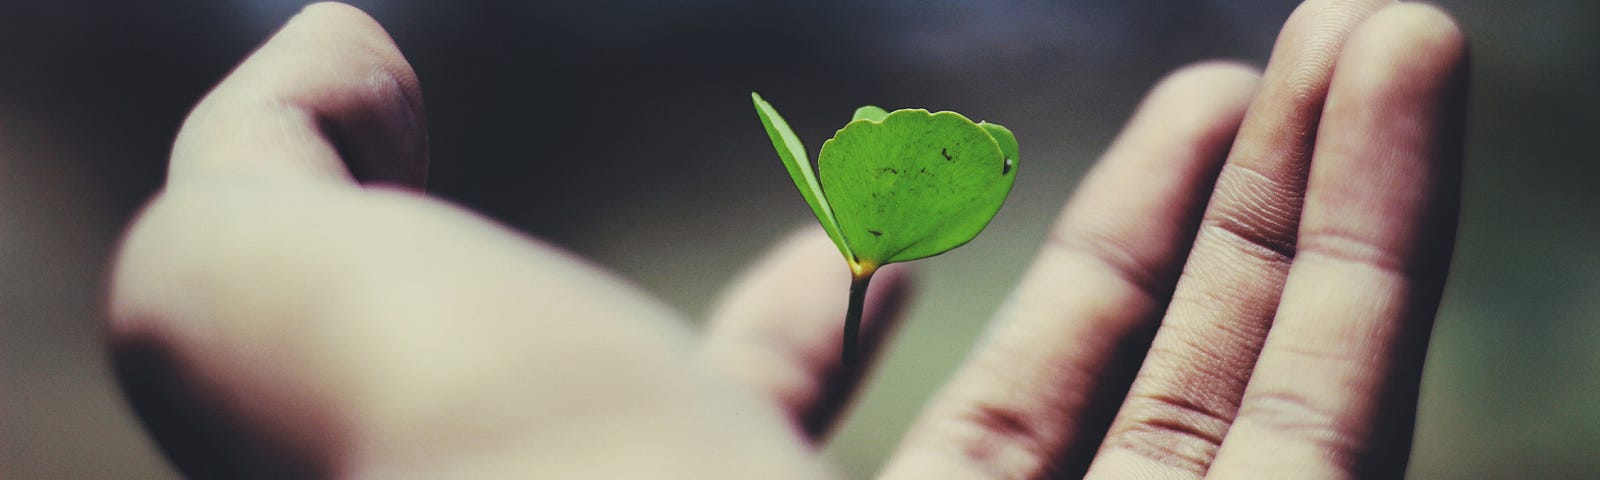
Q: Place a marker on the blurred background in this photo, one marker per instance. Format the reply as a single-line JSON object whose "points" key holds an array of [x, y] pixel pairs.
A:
{"points": [[623, 130]]}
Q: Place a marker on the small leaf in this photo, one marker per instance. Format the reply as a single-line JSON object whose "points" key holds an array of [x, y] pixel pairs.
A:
{"points": [[916, 184], [869, 112], [793, 154]]}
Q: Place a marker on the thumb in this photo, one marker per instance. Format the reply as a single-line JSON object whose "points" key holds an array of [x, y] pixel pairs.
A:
{"points": [[328, 97]]}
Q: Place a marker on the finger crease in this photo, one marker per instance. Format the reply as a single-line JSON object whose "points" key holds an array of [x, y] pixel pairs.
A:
{"points": [[1343, 247], [1297, 418], [1172, 430], [1259, 211]]}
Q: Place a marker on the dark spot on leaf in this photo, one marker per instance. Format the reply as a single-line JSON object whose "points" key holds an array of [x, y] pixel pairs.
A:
{"points": [[946, 153], [924, 170], [875, 233], [1006, 168], [890, 170]]}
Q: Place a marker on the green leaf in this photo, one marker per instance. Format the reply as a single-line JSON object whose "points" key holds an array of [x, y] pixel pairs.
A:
{"points": [[904, 185], [915, 184], [793, 154], [869, 112]]}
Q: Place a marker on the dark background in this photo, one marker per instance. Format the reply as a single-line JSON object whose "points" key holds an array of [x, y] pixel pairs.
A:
{"points": [[623, 130]]}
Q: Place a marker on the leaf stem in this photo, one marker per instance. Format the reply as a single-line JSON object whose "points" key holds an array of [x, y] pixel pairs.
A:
{"points": [[851, 353]]}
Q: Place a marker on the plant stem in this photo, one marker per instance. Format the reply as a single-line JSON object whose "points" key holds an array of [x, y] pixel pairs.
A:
{"points": [[852, 318]]}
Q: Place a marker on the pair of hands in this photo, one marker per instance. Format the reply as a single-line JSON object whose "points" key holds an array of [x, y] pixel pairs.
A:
{"points": [[291, 305]]}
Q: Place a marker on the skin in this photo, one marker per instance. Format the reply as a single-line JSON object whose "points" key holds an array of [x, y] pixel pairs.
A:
{"points": [[1243, 286]]}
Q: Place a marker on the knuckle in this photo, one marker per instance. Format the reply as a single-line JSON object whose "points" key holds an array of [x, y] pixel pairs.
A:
{"points": [[1216, 333], [1255, 212], [1346, 247], [1172, 430], [1299, 418], [1004, 441]]}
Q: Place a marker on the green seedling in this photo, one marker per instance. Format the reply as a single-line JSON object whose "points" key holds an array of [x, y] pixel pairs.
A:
{"points": [[897, 186]]}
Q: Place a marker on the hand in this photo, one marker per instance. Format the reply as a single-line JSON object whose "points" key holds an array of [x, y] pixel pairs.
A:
{"points": [[290, 306]]}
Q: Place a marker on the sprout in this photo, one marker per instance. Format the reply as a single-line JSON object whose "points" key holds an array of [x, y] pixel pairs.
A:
{"points": [[897, 186]]}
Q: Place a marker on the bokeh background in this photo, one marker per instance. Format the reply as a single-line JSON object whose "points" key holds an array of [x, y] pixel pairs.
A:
{"points": [[623, 130]]}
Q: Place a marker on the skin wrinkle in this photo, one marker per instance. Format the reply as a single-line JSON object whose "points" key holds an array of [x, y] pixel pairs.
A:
{"points": [[1219, 350], [1156, 420], [1380, 192], [1218, 267], [1052, 410], [1302, 418], [1254, 213], [1005, 437], [1338, 245], [1047, 405], [1191, 411], [1260, 212]]}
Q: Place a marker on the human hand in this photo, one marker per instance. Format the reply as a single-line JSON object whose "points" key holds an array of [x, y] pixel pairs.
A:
{"points": [[288, 306]]}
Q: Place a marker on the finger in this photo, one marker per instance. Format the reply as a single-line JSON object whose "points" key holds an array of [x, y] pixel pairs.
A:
{"points": [[1026, 404], [778, 331], [328, 97], [1187, 391], [1334, 393]]}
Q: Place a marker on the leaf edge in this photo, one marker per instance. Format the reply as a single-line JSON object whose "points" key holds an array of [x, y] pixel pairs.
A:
{"points": [[801, 171]]}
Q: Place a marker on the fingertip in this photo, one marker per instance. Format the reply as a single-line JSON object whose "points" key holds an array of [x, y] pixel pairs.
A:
{"points": [[1428, 24], [778, 328], [316, 9], [329, 96], [1385, 187], [382, 134], [1209, 76], [1407, 40], [1192, 98], [362, 37], [349, 23]]}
